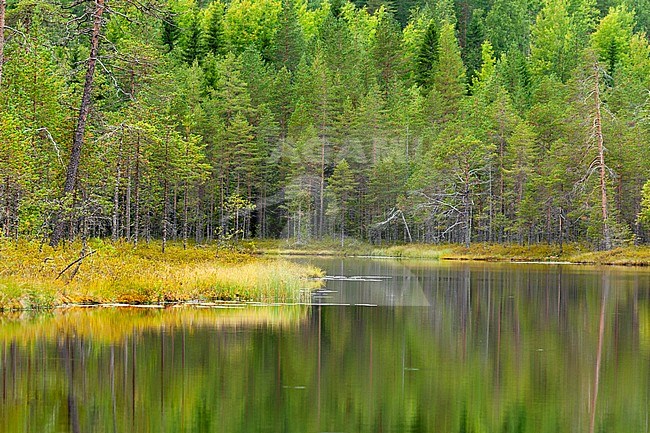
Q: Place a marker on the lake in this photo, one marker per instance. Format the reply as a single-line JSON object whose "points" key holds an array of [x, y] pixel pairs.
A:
{"points": [[385, 346]]}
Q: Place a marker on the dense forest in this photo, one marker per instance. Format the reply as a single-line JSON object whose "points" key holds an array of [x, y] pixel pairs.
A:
{"points": [[389, 121]]}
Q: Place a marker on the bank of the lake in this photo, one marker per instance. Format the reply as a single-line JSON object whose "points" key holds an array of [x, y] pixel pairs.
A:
{"points": [[571, 253], [33, 275]]}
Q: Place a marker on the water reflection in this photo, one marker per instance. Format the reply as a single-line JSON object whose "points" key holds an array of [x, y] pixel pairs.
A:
{"points": [[463, 348]]}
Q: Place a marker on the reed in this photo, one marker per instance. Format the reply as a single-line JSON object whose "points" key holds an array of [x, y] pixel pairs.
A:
{"points": [[30, 275]]}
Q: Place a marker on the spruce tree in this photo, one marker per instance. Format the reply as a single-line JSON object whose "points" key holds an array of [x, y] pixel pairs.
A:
{"points": [[427, 56], [193, 48], [170, 31], [214, 34]]}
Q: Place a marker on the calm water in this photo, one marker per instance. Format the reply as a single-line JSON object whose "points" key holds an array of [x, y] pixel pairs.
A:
{"points": [[419, 347]]}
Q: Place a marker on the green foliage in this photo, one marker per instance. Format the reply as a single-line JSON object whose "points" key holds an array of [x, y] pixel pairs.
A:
{"points": [[553, 41], [611, 40], [386, 50], [449, 84], [252, 23], [507, 26], [286, 103], [644, 215], [474, 39], [487, 71], [215, 42], [427, 59], [192, 42], [288, 44], [170, 31], [341, 187]]}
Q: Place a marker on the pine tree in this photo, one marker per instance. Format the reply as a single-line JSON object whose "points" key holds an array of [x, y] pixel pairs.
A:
{"points": [[288, 43], [340, 189], [386, 50], [447, 179], [82, 121]]}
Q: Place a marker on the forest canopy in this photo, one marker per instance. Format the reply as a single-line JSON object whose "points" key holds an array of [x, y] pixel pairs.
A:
{"points": [[386, 121]]}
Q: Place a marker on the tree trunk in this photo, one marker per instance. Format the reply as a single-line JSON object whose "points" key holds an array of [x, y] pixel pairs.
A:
{"points": [[116, 191], [468, 209], [199, 216], [3, 8], [607, 240], [127, 201], [174, 210], [561, 230], [7, 216], [321, 212], [185, 217], [342, 225], [165, 223], [210, 228], [222, 206], [136, 227], [490, 204], [84, 110]]}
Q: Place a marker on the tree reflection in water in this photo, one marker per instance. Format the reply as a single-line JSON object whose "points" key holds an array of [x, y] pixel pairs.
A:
{"points": [[466, 347]]}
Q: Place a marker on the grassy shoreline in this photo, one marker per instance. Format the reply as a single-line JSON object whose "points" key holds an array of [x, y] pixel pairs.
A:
{"points": [[571, 253], [118, 273]]}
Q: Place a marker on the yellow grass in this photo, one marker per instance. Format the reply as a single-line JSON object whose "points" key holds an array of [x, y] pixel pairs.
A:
{"points": [[119, 273]]}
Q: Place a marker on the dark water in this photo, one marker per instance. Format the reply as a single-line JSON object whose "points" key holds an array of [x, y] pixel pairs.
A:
{"points": [[450, 347]]}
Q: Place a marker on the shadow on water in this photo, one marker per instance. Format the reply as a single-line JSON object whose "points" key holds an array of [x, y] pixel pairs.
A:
{"points": [[449, 347]]}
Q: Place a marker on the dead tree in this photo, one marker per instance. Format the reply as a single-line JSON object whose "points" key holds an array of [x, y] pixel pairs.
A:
{"points": [[598, 132], [84, 110], [97, 14]]}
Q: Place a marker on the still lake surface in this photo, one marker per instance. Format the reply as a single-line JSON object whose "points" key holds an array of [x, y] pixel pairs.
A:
{"points": [[390, 346]]}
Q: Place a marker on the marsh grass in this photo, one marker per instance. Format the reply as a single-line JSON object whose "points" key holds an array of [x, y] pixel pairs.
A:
{"points": [[315, 247], [628, 256], [572, 252], [118, 273], [513, 252]]}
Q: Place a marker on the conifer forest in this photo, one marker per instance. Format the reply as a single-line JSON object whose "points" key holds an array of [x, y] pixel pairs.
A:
{"points": [[502, 121]]}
